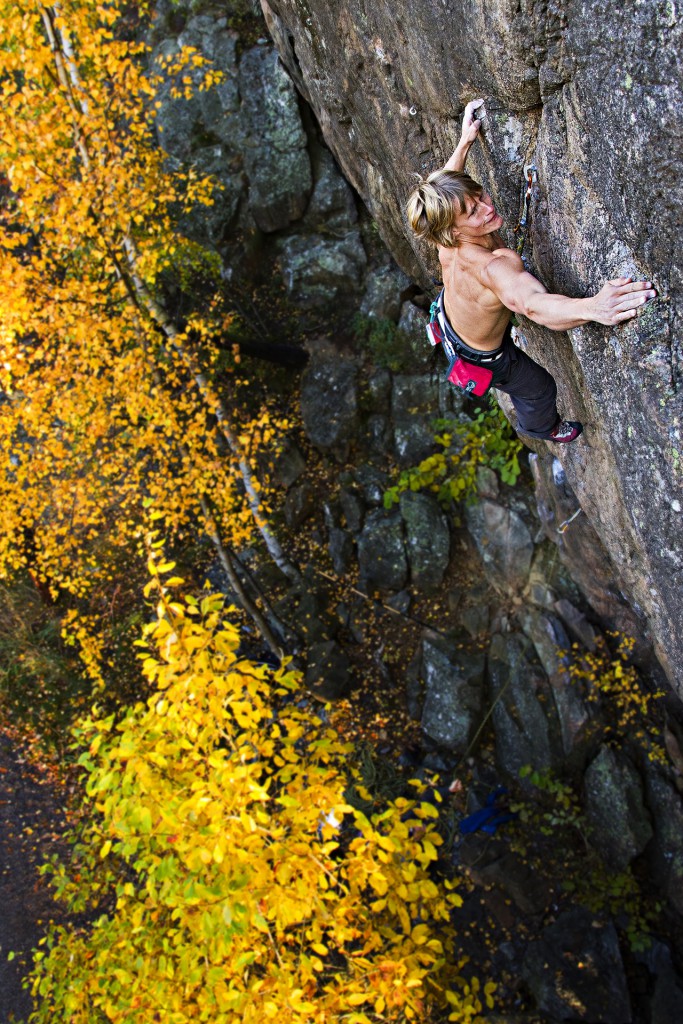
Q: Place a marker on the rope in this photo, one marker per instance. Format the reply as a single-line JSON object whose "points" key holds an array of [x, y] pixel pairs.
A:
{"points": [[484, 720], [387, 607]]}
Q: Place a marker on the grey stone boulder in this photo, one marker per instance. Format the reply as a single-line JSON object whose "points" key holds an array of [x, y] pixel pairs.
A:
{"points": [[329, 402], [212, 37], [427, 539], [340, 545], [491, 863], [577, 624], [379, 390], [504, 544], [329, 674], [353, 508], [318, 271], [309, 612], [207, 117], [667, 993], [377, 434], [373, 483], [613, 802], [332, 206], [414, 395], [400, 602], [575, 971], [666, 852], [275, 152], [413, 441], [413, 335], [524, 718], [453, 694], [414, 405], [384, 288], [582, 550], [475, 618], [487, 483], [204, 129], [381, 551], [549, 638], [288, 465], [331, 509], [300, 503], [551, 644]]}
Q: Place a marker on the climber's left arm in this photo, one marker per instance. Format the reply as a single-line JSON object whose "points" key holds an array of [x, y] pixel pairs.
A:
{"points": [[521, 292], [470, 130]]}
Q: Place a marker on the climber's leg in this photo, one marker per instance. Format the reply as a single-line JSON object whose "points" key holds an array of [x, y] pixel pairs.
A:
{"points": [[532, 390]]}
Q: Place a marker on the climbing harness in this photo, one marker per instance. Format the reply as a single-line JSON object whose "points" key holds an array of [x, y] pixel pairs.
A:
{"points": [[563, 526], [531, 179], [467, 369]]}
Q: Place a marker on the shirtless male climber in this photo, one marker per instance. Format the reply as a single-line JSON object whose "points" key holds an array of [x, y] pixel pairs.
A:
{"points": [[485, 282]]}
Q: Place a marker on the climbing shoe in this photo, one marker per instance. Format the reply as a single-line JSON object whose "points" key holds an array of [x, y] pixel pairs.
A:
{"points": [[566, 431]]}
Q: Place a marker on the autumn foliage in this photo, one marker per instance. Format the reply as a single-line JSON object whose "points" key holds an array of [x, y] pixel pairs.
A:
{"points": [[108, 406], [229, 877], [223, 873]]}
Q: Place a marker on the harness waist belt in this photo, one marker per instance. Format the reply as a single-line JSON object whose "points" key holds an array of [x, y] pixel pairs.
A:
{"points": [[473, 355]]}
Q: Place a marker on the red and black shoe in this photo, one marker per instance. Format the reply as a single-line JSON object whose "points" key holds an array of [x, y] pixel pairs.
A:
{"points": [[566, 431]]}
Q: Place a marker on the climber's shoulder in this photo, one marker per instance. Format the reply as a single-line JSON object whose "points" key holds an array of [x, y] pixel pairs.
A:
{"points": [[500, 262]]}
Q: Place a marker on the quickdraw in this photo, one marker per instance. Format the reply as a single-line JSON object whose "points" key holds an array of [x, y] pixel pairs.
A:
{"points": [[563, 526], [531, 178]]}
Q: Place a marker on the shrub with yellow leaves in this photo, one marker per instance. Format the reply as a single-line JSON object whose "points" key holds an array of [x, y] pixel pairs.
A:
{"points": [[225, 875], [608, 677], [486, 440]]}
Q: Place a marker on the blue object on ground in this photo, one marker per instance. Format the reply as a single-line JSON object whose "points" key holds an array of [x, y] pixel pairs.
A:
{"points": [[489, 817]]}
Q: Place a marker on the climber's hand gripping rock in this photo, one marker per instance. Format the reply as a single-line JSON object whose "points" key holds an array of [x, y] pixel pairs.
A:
{"points": [[469, 132], [470, 123], [619, 300]]}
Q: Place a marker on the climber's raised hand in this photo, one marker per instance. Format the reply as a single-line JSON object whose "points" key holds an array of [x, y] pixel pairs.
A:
{"points": [[470, 130], [470, 124]]}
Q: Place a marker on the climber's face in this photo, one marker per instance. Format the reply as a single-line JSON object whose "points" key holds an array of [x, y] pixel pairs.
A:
{"points": [[478, 219]]}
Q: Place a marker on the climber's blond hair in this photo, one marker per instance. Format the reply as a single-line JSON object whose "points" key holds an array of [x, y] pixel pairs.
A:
{"points": [[434, 203]]}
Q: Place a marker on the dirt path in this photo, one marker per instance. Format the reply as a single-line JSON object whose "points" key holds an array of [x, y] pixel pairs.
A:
{"points": [[31, 826]]}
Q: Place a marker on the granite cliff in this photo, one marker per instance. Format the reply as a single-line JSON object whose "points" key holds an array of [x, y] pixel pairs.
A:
{"points": [[595, 102]]}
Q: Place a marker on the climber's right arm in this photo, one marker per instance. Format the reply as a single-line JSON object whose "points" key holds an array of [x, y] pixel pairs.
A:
{"points": [[522, 293], [470, 130]]}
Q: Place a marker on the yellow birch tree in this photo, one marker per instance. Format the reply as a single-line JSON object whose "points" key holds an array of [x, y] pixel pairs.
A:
{"points": [[107, 406]]}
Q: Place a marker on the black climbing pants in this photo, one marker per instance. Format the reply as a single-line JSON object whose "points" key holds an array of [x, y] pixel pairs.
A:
{"points": [[532, 390]]}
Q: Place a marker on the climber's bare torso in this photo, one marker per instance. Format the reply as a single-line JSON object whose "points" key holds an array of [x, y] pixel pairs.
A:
{"points": [[475, 313]]}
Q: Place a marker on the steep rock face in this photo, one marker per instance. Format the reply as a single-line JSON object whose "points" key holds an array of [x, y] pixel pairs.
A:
{"points": [[596, 104]]}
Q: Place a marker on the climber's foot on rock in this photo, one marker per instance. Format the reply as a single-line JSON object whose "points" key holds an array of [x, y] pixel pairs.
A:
{"points": [[566, 431]]}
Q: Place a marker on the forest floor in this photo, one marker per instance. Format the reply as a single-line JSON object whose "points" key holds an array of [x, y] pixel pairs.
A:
{"points": [[32, 822]]}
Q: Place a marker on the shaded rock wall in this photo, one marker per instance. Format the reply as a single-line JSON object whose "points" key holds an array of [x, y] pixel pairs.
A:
{"points": [[595, 102], [282, 208]]}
